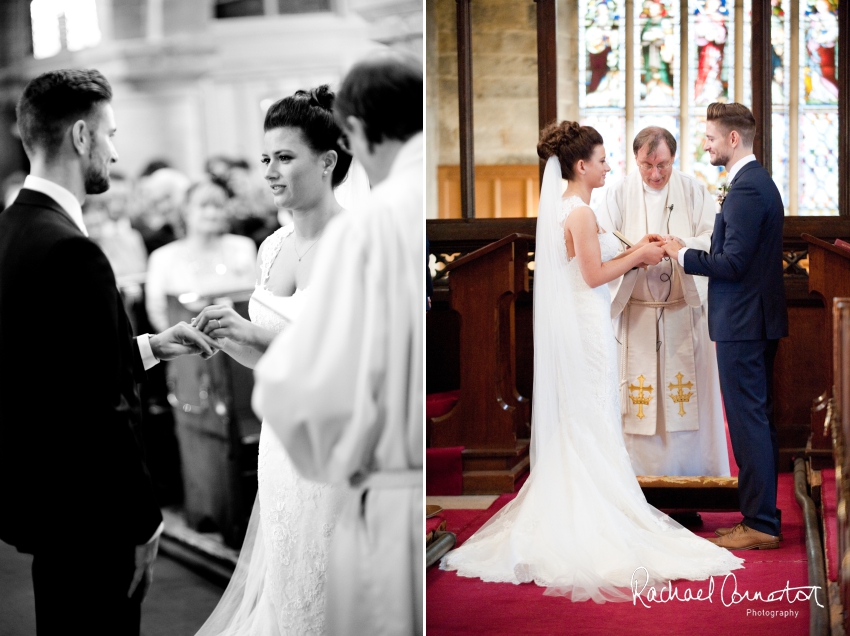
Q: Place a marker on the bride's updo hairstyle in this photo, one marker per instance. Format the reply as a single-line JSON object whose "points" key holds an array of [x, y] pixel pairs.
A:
{"points": [[570, 142], [311, 111]]}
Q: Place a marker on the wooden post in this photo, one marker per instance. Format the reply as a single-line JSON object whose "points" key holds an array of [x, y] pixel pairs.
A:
{"points": [[843, 113], [547, 66], [464, 96], [761, 82]]}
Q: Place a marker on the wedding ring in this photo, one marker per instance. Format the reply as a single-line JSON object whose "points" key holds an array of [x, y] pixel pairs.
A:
{"points": [[218, 323]]}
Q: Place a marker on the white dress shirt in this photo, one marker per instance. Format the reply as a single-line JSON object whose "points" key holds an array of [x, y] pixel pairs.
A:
{"points": [[730, 176], [69, 204]]}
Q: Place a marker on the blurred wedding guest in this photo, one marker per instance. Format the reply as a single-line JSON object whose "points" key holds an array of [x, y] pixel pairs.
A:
{"points": [[11, 186], [154, 165], [217, 168], [157, 210], [207, 262], [251, 209], [342, 387], [107, 220]]}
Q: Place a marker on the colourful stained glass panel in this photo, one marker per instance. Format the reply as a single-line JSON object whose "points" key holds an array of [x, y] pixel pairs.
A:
{"points": [[712, 50], [818, 61], [603, 56], [780, 53], [612, 127], [657, 42], [818, 177], [779, 152]]}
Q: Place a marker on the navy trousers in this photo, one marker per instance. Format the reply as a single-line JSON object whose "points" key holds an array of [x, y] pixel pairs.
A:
{"points": [[746, 380]]}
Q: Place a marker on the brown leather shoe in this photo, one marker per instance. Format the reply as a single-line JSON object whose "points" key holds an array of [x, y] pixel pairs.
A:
{"points": [[722, 532], [743, 538]]}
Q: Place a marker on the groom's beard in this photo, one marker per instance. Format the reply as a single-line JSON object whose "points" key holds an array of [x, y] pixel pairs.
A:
{"points": [[96, 181], [720, 159]]}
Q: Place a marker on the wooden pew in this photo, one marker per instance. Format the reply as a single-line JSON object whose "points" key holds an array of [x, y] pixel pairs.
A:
{"points": [[217, 430], [829, 277], [838, 419], [491, 419]]}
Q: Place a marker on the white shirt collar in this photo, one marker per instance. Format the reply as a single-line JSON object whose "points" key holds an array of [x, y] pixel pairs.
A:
{"points": [[62, 196], [730, 175]]}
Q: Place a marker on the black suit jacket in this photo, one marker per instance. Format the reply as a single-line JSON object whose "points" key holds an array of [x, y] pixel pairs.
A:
{"points": [[71, 457], [746, 290]]}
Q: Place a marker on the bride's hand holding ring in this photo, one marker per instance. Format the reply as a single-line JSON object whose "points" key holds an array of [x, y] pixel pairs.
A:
{"points": [[221, 321]]}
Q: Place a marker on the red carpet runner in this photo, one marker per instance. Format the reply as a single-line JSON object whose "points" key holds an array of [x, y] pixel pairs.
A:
{"points": [[458, 605]]}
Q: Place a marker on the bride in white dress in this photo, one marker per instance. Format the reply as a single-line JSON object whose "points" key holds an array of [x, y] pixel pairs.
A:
{"points": [[278, 587], [580, 526]]}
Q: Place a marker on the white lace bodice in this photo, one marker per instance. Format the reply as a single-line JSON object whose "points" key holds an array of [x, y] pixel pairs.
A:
{"points": [[297, 516]]}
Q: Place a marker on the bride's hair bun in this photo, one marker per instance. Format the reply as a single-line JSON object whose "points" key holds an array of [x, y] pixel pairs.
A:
{"points": [[568, 141], [322, 96]]}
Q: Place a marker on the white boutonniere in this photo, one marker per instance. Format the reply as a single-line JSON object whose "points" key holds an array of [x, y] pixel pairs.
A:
{"points": [[722, 191]]}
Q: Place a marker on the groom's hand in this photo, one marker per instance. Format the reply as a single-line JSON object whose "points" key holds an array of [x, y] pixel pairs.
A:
{"points": [[180, 340], [143, 575]]}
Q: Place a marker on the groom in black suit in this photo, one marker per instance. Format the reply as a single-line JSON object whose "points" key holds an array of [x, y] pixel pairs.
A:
{"points": [[747, 316], [74, 489]]}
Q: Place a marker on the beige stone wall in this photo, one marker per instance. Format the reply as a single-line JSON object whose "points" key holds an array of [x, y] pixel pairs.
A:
{"points": [[504, 76]]}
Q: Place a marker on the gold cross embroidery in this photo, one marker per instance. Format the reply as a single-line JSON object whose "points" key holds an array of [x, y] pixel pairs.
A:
{"points": [[680, 398], [640, 399]]}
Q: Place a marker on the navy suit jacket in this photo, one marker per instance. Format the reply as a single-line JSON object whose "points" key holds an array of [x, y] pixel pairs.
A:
{"points": [[746, 291], [70, 451]]}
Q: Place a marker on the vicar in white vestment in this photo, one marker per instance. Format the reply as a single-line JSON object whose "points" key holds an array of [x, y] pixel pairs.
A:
{"points": [[343, 386], [669, 388]]}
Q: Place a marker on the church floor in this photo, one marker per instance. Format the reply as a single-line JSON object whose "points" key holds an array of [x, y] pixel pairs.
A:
{"points": [[456, 605], [177, 605]]}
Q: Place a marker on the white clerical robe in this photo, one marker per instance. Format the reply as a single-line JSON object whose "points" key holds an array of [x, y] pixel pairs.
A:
{"points": [[660, 316], [342, 388]]}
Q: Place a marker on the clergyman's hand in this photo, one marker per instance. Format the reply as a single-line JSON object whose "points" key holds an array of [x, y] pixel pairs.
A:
{"points": [[143, 574], [181, 340], [672, 247], [649, 238], [667, 238]]}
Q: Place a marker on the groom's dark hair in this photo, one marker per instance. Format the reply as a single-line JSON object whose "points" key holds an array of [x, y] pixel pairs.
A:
{"points": [[385, 93], [53, 101], [735, 117]]}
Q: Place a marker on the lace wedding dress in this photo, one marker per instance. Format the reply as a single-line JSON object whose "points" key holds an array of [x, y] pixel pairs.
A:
{"points": [[278, 588], [580, 526]]}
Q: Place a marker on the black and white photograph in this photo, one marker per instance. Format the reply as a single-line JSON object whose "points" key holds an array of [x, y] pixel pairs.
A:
{"points": [[212, 313]]}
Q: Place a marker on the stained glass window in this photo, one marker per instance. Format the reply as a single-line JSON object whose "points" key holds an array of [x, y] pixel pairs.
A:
{"points": [[688, 54], [818, 116], [602, 94], [657, 41], [780, 61], [711, 73]]}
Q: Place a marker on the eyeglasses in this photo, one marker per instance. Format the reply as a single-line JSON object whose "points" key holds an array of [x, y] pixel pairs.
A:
{"points": [[342, 142], [647, 167]]}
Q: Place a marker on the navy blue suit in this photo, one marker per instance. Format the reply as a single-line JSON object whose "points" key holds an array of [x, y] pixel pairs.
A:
{"points": [[747, 315]]}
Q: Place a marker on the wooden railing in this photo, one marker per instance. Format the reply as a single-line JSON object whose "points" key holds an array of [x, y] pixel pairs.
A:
{"points": [[800, 372]]}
